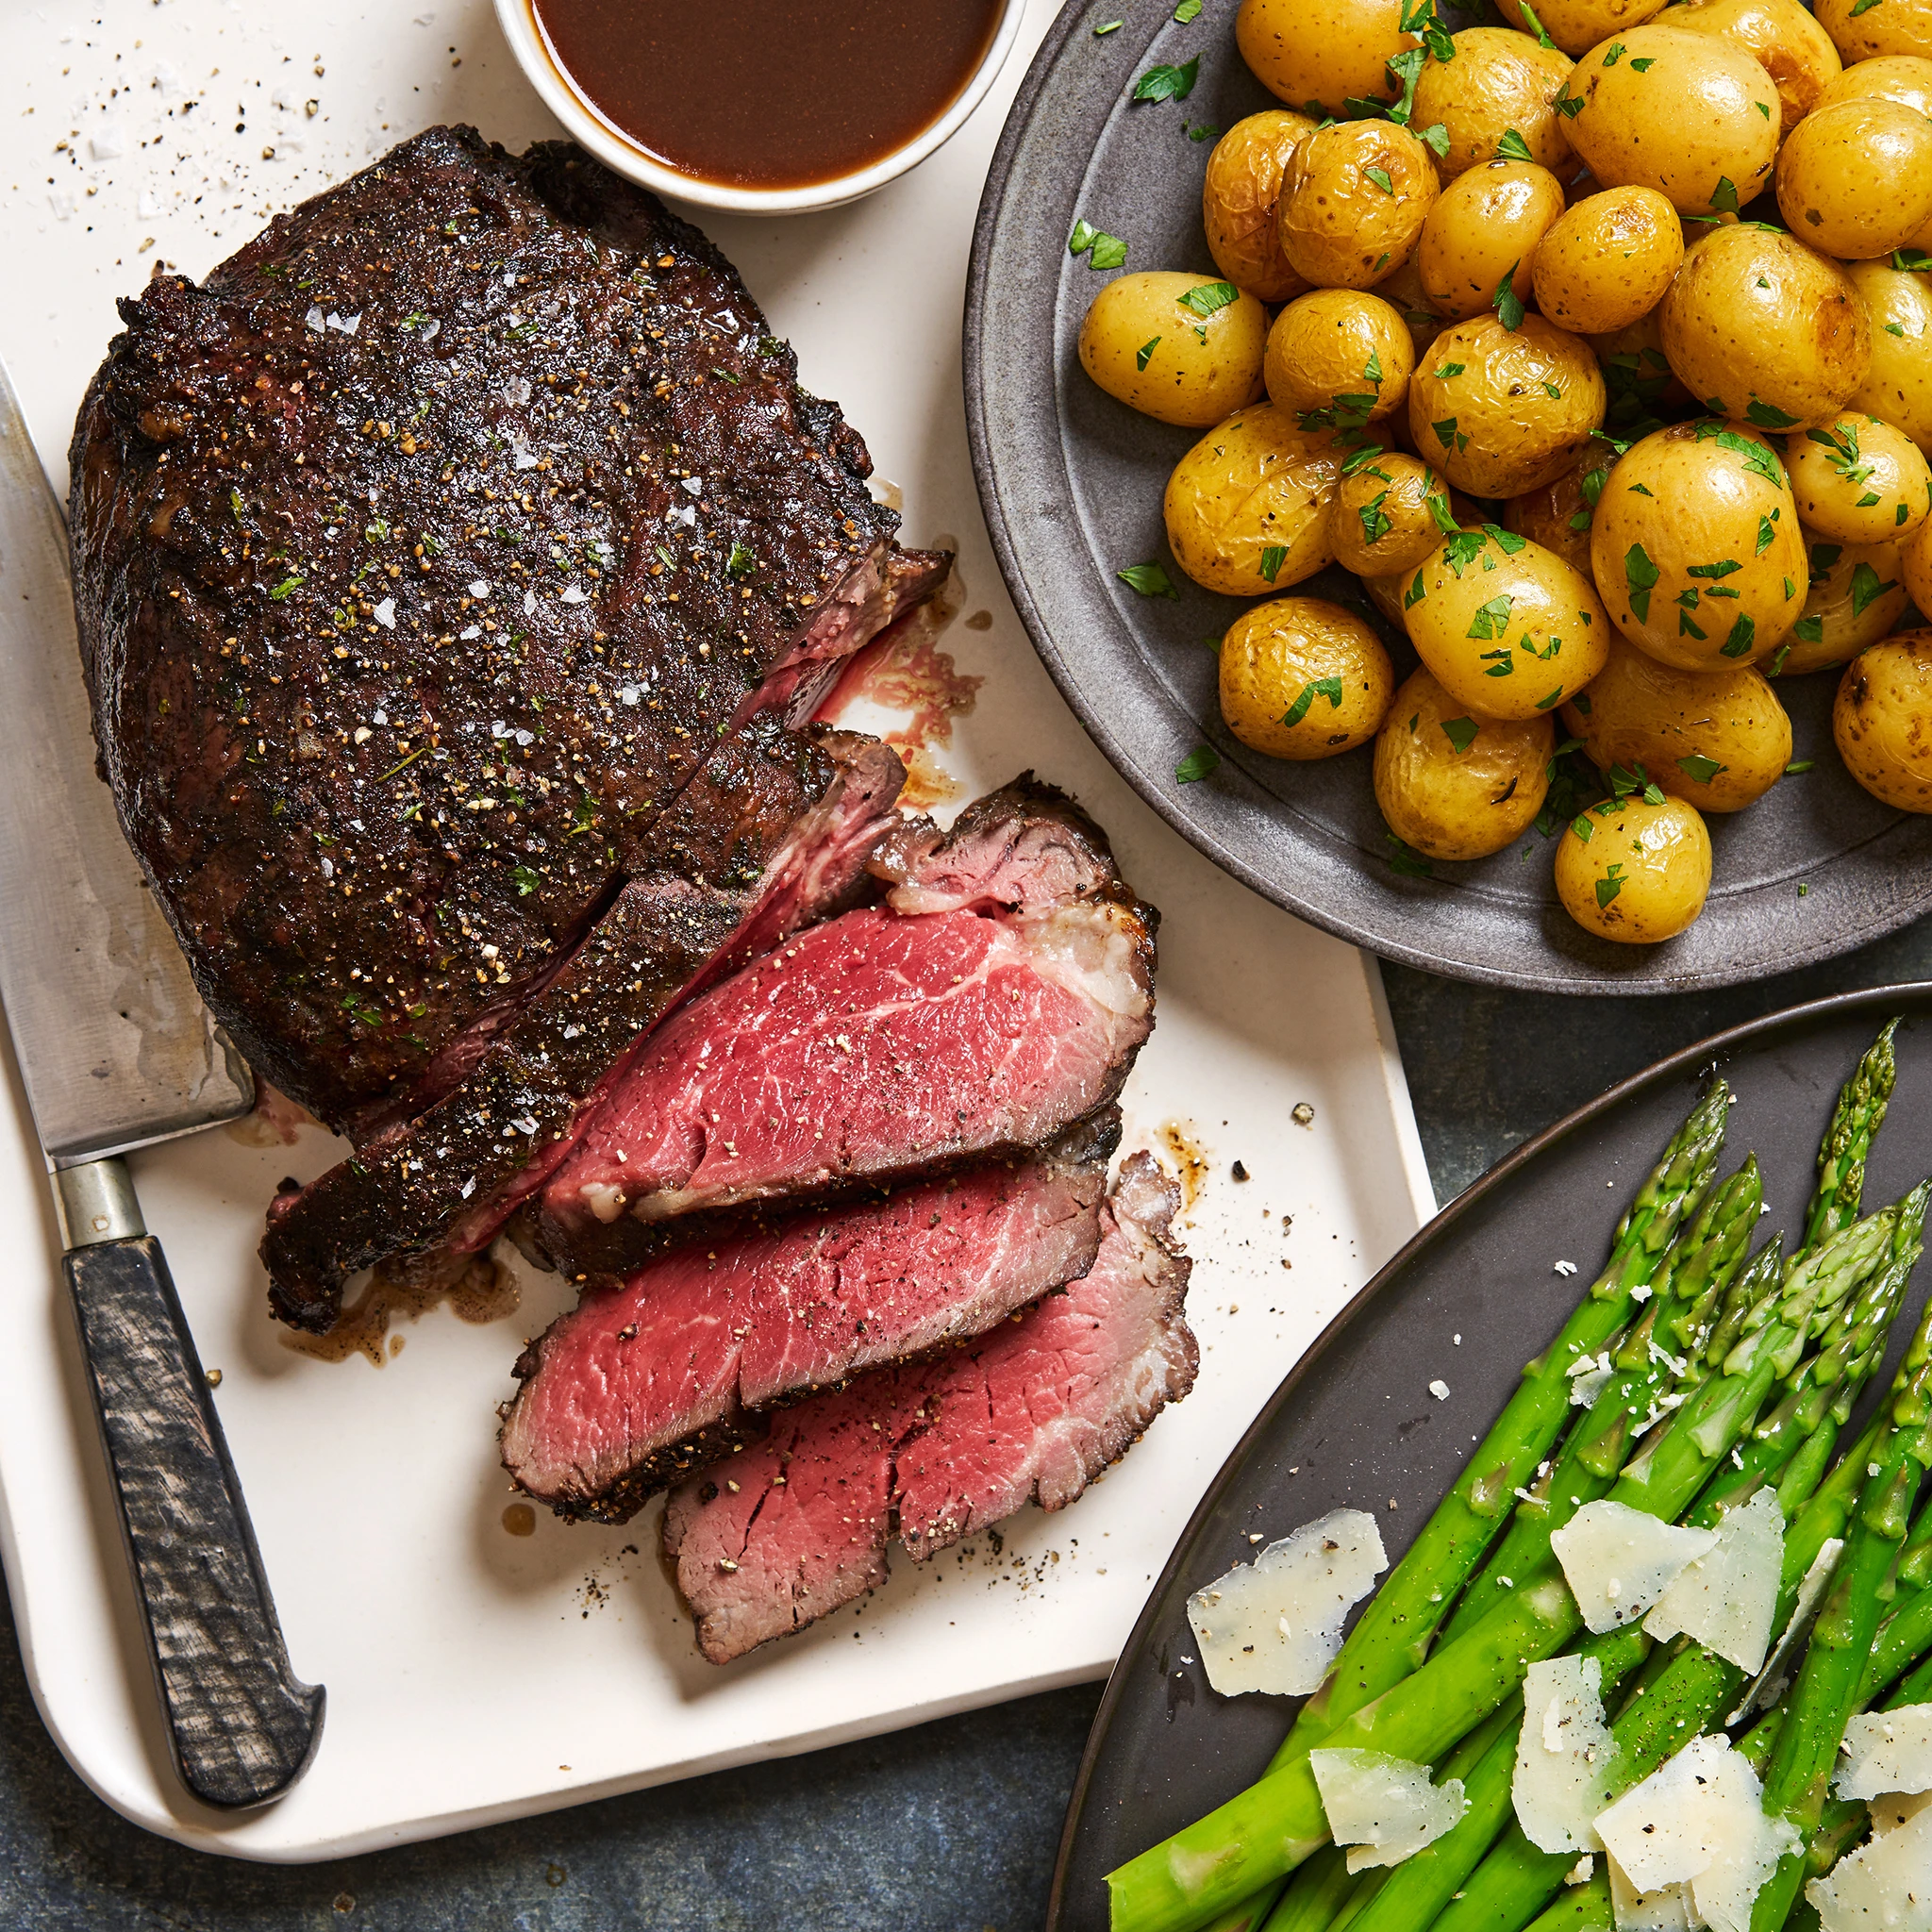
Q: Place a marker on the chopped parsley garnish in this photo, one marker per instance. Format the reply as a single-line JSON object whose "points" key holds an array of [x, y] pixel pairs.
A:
{"points": [[1809, 630], [1407, 67], [1508, 541], [1581, 826], [1147, 578], [1081, 240], [1614, 53], [282, 589], [1506, 302], [1763, 108], [1799, 765], [1724, 197], [1164, 83], [1329, 687], [1866, 588], [1375, 525], [1460, 732], [526, 881], [1463, 548], [1728, 567], [742, 562], [1639, 578], [1493, 620], [1742, 633], [1187, 10], [1202, 762], [1210, 298], [1109, 251], [1912, 261], [1436, 139], [1381, 177], [1362, 459], [1567, 105], [1106, 27], [1446, 433], [1512, 147], [1555, 394], [1612, 881], [1643, 66], [1145, 350], [1406, 862], [1768, 416], [1766, 535], [1449, 369], [1536, 26], [1273, 556], [1444, 516], [1699, 769]]}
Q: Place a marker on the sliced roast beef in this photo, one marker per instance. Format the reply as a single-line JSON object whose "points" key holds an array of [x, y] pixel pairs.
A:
{"points": [[422, 554], [775, 835], [797, 1524], [1000, 994], [648, 1379]]}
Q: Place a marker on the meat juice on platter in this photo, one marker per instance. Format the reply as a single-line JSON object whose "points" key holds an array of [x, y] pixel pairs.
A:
{"points": [[460, 570], [769, 93]]}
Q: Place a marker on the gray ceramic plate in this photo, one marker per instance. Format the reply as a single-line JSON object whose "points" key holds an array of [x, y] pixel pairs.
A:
{"points": [[1071, 482], [1468, 1300]]}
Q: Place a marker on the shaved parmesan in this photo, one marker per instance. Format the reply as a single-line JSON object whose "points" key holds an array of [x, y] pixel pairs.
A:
{"points": [[1775, 1675], [1565, 1756], [1275, 1624], [1666, 1910], [1618, 1561], [1896, 1809], [1727, 1597], [1885, 1886], [1382, 1807], [1699, 1820], [1889, 1751]]}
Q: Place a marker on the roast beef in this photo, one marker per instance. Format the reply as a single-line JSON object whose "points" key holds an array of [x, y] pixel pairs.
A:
{"points": [[793, 1526], [999, 995], [646, 1380], [773, 834], [422, 556]]}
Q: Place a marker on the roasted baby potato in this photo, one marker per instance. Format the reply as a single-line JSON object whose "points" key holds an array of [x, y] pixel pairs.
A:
{"points": [[1855, 179], [1184, 349], [1319, 55], [1577, 25], [1860, 480], [1484, 230], [1764, 330], [1858, 593], [1403, 290], [1497, 82], [1239, 197], [1339, 355], [1882, 720], [1906, 79], [1352, 200], [1869, 29], [1303, 678], [1557, 514], [1915, 566], [1781, 37], [1247, 507], [1695, 547], [1452, 783], [1507, 627], [1898, 384], [1504, 411], [1607, 262], [1633, 871], [1382, 521], [1636, 372], [1719, 739], [1686, 114]]}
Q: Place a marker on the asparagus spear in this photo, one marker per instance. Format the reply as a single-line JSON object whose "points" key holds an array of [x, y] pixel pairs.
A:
{"points": [[1703, 1260], [1584, 1908], [1796, 1786], [1269, 1829], [1854, 1122]]}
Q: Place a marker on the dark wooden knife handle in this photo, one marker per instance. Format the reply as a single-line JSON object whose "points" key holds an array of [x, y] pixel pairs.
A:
{"points": [[241, 1724]]}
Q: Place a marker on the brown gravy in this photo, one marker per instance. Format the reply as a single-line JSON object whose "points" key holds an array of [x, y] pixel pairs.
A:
{"points": [[769, 93]]}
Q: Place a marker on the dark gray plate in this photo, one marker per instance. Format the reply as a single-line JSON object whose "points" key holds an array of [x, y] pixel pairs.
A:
{"points": [[1071, 482], [1357, 1421]]}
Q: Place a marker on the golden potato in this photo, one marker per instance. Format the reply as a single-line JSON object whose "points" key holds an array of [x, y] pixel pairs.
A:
{"points": [[1381, 521], [1635, 871], [1915, 566], [1607, 261], [1247, 507], [1577, 25], [1906, 79], [1690, 115], [1180, 348], [1882, 720], [1781, 37], [1858, 593], [1557, 514], [1856, 179], [1483, 231], [1454, 784], [1696, 548], [1498, 82], [1339, 356], [1870, 29], [1352, 200], [1860, 480], [1385, 593], [1898, 384], [1303, 678], [1764, 330], [1239, 197], [1318, 55], [1507, 627], [1403, 290], [1636, 368], [1502, 411], [1719, 741]]}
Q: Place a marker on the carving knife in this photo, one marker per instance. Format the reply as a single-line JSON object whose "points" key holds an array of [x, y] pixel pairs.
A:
{"points": [[117, 1052]]}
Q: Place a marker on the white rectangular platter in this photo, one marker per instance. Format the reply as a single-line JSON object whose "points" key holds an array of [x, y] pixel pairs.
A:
{"points": [[474, 1674]]}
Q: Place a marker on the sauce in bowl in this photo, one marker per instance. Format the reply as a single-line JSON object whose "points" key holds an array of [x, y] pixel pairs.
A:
{"points": [[768, 93]]}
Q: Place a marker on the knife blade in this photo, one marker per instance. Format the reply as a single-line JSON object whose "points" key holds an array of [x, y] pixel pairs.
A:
{"points": [[117, 1052]]}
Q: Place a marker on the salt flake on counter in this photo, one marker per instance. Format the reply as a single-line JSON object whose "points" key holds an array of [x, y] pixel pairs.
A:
{"points": [[1275, 1625], [1383, 1808]]}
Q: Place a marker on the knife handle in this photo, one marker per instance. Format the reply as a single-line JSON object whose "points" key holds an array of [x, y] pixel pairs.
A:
{"points": [[242, 1726]]}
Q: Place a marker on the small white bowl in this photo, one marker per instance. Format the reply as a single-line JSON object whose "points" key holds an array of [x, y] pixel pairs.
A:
{"points": [[618, 151]]}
